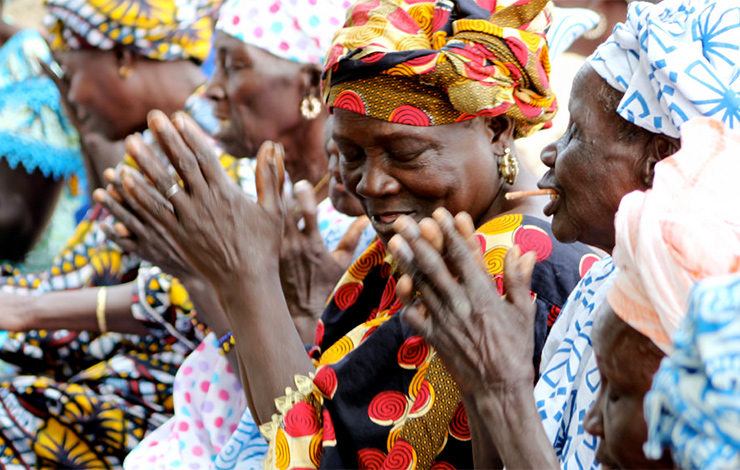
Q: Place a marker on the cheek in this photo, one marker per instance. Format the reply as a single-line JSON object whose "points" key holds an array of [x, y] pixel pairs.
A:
{"points": [[626, 431]]}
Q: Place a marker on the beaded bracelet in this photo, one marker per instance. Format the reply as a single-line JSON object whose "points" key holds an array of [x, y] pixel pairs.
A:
{"points": [[226, 343]]}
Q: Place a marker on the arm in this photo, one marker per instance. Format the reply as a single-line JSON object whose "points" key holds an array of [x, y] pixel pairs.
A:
{"points": [[76, 310], [231, 240]]}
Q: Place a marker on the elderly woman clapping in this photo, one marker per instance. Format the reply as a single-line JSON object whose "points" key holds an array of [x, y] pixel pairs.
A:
{"points": [[427, 98], [604, 155]]}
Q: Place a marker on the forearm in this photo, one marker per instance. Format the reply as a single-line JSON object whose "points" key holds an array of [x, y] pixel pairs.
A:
{"points": [[76, 310], [268, 343], [485, 453], [510, 419], [210, 311]]}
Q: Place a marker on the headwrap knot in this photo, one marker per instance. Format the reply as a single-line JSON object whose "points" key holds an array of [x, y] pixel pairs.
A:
{"points": [[674, 61], [430, 63]]}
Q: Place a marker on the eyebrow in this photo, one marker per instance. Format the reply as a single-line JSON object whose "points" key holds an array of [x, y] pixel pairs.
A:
{"points": [[386, 138]]}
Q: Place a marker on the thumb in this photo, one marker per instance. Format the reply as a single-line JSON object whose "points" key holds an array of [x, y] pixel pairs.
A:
{"points": [[348, 244], [269, 175], [303, 191], [518, 276]]}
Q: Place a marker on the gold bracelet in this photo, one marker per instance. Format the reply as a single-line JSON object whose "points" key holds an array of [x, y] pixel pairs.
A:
{"points": [[100, 310]]}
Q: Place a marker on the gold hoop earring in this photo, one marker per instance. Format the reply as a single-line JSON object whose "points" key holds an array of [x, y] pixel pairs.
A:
{"points": [[125, 71], [508, 166], [310, 107]]}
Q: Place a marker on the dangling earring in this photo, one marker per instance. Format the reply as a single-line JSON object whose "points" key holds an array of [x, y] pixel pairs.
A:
{"points": [[508, 166], [310, 107], [125, 71]]}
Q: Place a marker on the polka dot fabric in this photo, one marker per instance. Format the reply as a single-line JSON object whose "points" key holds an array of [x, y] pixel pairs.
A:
{"points": [[209, 403], [296, 30]]}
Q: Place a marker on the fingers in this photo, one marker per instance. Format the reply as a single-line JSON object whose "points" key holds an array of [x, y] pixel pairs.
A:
{"points": [[457, 253], [405, 289], [177, 152], [303, 191], [131, 223], [465, 225], [268, 177], [417, 317], [200, 144], [154, 207], [432, 234], [155, 171], [518, 276], [113, 234], [352, 237]]}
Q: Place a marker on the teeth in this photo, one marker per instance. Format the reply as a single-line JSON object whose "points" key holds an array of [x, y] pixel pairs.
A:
{"points": [[554, 196]]}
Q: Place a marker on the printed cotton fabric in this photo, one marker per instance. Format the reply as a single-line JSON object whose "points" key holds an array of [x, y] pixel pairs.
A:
{"points": [[674, 61], [157, 29], [35, 131], [380, 395], [296, 30], [694, 404], [429, 63]]}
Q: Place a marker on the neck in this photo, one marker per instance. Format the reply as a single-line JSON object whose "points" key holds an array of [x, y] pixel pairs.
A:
{"points": [[305, 147]]}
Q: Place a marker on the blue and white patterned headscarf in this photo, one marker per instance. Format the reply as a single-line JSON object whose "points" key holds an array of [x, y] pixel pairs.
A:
{"points": [[693, 408], [34, 128], [675, 60]]}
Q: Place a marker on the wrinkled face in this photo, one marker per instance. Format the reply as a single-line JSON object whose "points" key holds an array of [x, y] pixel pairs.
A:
{"points": [[101, 99], [627, 361], [343, 201], [395, 169], [257, 97], [590, 168]]}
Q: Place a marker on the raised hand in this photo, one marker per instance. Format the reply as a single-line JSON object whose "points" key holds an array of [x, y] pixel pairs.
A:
{"points": [[485, 340], [308, 271], [225, 235]]}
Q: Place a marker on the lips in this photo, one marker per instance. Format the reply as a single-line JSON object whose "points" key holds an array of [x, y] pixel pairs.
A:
{"points": [[555, 199], [383, 222]]}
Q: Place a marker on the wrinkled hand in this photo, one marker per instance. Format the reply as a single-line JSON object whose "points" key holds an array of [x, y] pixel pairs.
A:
{"points": [[485, 341], [226, 236], [136, 231], [308, 271]]}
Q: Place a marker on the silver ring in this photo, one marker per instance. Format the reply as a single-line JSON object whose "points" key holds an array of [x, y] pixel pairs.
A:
{"points": [[172, 191]]}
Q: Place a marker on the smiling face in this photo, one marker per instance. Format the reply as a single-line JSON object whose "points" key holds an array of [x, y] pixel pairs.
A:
{"points": [[258, 97], [104, 102], [395, 169], [627, 361], [593, 165]]}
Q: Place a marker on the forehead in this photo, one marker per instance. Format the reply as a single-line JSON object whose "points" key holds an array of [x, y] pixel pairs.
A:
{"points": [[624, 356], [366, 131]]}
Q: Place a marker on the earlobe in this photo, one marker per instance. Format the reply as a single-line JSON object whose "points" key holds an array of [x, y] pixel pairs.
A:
{"points": [[502, 138], [125, 63]]}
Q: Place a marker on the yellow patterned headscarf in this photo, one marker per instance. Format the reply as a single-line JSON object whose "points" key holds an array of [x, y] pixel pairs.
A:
{"points": [[434, 62], [158, 29]]}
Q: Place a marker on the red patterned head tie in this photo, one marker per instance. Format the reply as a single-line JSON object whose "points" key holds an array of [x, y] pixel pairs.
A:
{"points": [[435, 62]]}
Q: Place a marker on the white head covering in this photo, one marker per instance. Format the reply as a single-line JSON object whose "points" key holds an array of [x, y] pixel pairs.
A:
{"points": [[675, 60], [296, 30]]}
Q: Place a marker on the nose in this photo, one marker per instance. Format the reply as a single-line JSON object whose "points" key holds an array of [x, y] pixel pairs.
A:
{"points": [[214, 89], [593, 422], [376, 182], [549, 155]]}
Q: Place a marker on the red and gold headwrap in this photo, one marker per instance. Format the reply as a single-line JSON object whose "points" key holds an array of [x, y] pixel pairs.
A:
{"points": [[435, 62]]}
